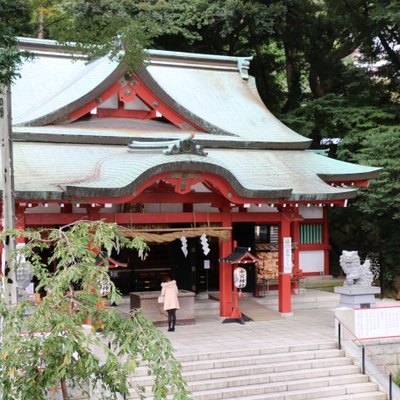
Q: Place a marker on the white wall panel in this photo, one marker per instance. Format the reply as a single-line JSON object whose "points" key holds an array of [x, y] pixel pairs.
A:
{"points": [[311, 212], [311, 261]]}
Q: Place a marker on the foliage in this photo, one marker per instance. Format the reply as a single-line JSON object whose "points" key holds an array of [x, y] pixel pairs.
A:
{"points": [[14, 20], [334, 117], [397, 378], [379, 203], [118, 29], [56, 347], [374, 217], [381, 148]]}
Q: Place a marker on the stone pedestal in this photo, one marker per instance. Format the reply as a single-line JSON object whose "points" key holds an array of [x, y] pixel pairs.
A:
{"points": [[357, 296], [147, 302]]}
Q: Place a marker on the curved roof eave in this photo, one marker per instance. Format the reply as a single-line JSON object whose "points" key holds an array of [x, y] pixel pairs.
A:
{"points": [[61, 170], [74, 192], [41, 195], [174, 166], [373, 173], [341, 194], [252, 191]]}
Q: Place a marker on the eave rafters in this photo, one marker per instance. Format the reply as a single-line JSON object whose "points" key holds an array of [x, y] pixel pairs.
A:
{"points": [[355, 183]]}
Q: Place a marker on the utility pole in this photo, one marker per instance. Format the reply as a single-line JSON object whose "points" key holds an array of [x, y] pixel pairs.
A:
{"points": [[8, 207]]}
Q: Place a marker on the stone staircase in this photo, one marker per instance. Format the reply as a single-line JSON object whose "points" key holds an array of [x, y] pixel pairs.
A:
{"points": [[307, 300], [319, 371]]}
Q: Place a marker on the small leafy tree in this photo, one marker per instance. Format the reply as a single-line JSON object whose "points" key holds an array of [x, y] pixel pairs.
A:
{"points": [[72, 340], [14, 20]]}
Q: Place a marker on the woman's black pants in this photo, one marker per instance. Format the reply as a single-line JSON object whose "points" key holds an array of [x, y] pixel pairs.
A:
{"points": [[171, 318]]}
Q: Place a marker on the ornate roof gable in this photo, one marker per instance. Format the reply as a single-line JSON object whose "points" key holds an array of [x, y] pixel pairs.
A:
{"points": [[171, 147]]}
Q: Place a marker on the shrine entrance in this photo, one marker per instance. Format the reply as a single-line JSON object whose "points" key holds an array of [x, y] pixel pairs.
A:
{"points": [[183, 259]]}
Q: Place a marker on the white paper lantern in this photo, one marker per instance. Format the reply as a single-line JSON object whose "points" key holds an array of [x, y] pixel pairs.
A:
{"points": [[240, 277]]}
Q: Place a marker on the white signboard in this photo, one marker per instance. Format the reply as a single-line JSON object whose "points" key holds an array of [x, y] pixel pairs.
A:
{"points": [[377, 322], [287, 255], [206, 264]]}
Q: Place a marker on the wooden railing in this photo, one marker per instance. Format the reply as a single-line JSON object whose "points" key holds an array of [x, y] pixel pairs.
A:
{"points": [[262, 287]]}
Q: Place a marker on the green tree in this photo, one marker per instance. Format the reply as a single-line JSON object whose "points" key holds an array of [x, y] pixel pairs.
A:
{"points": [[377, 24], [381, 147], [44, 14], [118, 29], [14, 20], [358, 105], [373, 219], [47, 346]]}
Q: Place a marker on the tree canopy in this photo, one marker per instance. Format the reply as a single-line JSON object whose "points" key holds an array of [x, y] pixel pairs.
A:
{"points": [[14, 20], [73, 338]]}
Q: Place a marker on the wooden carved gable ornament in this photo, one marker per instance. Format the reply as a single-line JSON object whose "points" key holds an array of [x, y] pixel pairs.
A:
{"points": [[186, 145]]}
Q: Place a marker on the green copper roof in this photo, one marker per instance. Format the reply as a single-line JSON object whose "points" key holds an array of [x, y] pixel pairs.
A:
{"points": [[221, 102], [213, 92], [63, 170], [245, 144]]}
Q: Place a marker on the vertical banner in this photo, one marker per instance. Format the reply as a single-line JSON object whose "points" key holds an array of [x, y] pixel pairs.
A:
{"points": [[287, 255]]}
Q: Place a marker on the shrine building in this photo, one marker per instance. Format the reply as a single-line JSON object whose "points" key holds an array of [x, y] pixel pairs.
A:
{"points": [[182, 152]]}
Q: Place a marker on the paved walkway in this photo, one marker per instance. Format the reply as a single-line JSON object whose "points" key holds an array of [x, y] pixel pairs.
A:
{"points": [[210, 334], [309, 324]]}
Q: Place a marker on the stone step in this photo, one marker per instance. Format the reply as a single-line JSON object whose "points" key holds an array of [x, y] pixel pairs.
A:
{"points": [[239, 377], [307, 304], [360, 396], [261, 359], [315, 394], [206, 303], [256, 351], [292, 381], [310, 299], [203, 307], [263, 391], [338, 366]]}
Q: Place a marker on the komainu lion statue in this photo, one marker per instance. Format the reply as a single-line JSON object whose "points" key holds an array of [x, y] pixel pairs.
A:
{"points": [[356, 273]]}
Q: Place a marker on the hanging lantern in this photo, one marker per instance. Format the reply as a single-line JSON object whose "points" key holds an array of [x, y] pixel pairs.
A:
{"points": [[104, 286], [24, 275], [23, 269], [240, 277]]}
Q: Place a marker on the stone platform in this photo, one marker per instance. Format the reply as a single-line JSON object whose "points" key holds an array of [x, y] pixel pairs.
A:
{"points": [[147, 302], [357, 296]]}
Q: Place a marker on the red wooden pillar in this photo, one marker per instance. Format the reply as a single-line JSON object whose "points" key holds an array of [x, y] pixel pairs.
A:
{"points": [[285, 300], [225, 271], [296, 241], [325, 238], [20, 222]]}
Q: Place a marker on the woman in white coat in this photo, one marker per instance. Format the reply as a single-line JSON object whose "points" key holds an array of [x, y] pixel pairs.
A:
{"points": [[169, 291]]}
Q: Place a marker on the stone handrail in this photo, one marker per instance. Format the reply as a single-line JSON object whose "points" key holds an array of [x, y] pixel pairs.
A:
{"points": [[376, 360]]}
